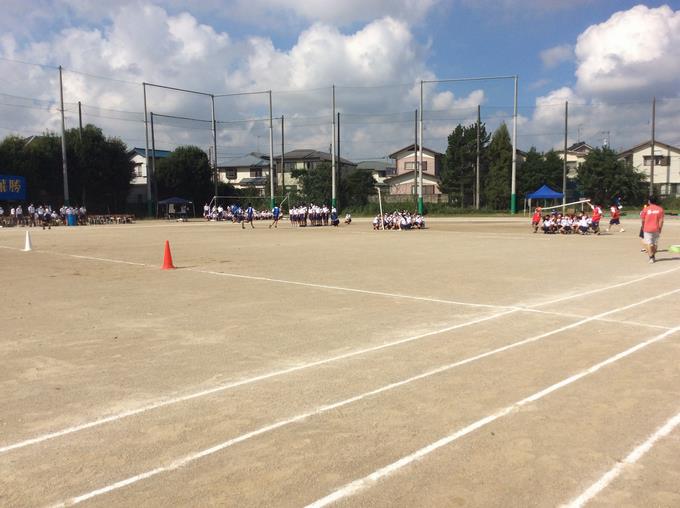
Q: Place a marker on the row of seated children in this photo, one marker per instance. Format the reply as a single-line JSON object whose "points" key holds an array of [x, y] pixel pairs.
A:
{"points": [[399, 221], [234, 213], [567, 224]]}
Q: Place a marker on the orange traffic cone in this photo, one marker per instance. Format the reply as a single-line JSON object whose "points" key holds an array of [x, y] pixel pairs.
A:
{"points": [[167, 258]]}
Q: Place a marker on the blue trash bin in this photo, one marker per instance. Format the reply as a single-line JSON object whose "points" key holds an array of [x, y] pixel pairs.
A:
{"points": [[72, 220]]}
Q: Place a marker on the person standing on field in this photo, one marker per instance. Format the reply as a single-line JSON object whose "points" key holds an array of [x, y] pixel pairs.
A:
{"points": [[652, 224], [536, 219], [276, 212], [615, 220], [595, 219], [249, 217]]}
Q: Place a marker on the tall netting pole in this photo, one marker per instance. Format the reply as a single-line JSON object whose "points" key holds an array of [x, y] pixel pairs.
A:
{"points": [[513, 187], [653, 147], [419, 163], [149, 205], [477, 191], [64, 164], [564, 162], [271, 153], [334, 201], [216, 175]]}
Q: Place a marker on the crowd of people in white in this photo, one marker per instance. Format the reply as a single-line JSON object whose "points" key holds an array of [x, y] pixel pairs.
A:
{"points": [[399, 220], [300, 216], [233, 213], [41, 216]]}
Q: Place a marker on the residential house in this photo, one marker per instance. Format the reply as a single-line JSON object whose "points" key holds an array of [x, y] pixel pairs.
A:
{"points": [[404, 182], [381, 170], [138, 189], [247, 172], [305, 159], [666, 165], [576, 155]]}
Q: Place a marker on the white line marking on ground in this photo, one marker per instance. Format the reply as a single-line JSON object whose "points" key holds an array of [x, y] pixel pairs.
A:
{"points": [[352, 290], [219, 388], [363, 483], [327, 407], [528, 308], [599, 290], [631, 459]]}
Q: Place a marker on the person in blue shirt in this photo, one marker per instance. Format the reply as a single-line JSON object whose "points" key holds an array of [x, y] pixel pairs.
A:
{"points": [[249, 217], [276, 213]]}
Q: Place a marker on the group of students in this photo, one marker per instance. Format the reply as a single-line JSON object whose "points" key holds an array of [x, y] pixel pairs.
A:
{"points": [[399, 220], [572, 223], [314, 215], [235, 213], [41, 215]]}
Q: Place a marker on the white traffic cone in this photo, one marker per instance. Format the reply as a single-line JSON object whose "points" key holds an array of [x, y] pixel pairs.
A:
{"points": [[28, 247]]}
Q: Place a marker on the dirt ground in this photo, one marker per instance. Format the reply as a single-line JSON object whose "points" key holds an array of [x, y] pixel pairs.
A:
{"points": [[470, 364]]}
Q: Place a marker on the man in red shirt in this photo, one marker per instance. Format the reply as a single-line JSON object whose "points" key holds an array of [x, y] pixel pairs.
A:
{"points": [[652, 224]]}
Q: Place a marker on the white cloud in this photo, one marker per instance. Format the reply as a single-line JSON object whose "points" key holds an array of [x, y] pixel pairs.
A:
{"points": [[340, 12], [144, 42], [554, 56], [633, 52], [621, 64]]}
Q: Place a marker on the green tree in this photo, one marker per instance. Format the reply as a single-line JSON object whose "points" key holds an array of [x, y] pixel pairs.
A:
{"points": [[100, 170], [603, 177], [460, 162], [355, 188], [185, 173], [497, 185], [38, 159], [539, 169], [316, 183]]}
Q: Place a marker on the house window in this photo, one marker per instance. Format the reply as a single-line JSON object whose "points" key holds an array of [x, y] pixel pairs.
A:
{"points": [[255, 172], [659, 160], [230, 173], [138, 170], [410, 166]]}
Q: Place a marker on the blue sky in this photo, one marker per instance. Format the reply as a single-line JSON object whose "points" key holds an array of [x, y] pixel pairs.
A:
{"points": [[598, 54]]}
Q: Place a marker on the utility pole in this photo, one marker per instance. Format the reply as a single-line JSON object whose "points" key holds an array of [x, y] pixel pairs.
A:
{"points": [[333, 162], [80, 121], [283, 168], [337, 148], [479, 121], [513, 186], [564, 162], [149, 199], [272, 176], [415, 154], [64, 163], [420, 155], [216, 175], [153, 155], [651, 169]]}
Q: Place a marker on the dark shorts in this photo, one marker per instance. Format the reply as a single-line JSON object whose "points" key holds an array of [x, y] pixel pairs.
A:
{"points": [[614, 221]]}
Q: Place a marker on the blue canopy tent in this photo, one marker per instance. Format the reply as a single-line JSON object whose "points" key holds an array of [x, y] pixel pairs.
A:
{"points": [[175, 208], [544, 193]]}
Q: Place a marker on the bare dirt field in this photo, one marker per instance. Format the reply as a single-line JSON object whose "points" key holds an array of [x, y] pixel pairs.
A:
{"points": [[470, 364]]}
